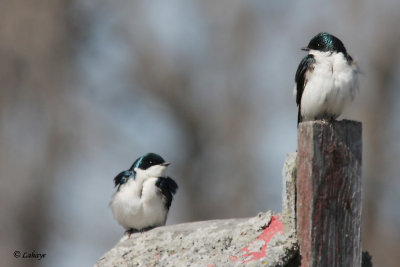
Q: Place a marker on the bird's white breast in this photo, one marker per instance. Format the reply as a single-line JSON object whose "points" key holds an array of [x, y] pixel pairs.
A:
{"points": [[330, 86], [139, 205]]}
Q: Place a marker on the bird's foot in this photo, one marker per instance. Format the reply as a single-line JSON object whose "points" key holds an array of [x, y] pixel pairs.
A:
{"points": [[131, 231], [327, 120], [146, 229]]}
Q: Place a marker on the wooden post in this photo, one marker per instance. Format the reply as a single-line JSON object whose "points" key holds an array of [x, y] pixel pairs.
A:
{"points": [[329, 193]]}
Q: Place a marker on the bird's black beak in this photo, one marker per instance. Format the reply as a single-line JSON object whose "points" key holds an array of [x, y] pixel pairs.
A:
{"points": [[305, 49], [165, 164]]}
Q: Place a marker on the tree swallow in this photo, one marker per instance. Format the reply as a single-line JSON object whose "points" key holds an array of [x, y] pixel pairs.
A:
{"points": [[326, 79], [144, 195]]}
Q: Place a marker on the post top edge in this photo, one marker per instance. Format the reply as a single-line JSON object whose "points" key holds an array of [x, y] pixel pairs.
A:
{"points": [[321, 122]]}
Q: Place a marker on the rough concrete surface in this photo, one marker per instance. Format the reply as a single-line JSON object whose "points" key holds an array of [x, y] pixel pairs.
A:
{"points": [[262, 240], [230, 242]]}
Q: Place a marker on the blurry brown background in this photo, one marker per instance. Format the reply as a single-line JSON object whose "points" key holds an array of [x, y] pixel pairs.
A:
{"points": [[88, 86]]}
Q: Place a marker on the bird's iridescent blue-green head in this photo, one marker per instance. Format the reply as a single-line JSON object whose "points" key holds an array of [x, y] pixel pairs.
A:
{"points": [[326, 42], [147, 161], [151, 164]]}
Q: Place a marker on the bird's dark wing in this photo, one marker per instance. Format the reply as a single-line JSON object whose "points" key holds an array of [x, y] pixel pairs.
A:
{"points": [[306, 64], [167, 188], [118, 178], [121, 178]]}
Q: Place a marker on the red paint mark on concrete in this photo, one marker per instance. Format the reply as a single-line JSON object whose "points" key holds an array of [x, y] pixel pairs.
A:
{"points": [[233, 258], [275, 227]]}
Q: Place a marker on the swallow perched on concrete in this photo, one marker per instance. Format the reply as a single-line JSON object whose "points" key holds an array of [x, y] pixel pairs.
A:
{"points": [[326, 79], [144, 195]]}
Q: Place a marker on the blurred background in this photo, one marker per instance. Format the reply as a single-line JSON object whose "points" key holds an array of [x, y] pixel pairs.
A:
{"points": [[88, 86]]}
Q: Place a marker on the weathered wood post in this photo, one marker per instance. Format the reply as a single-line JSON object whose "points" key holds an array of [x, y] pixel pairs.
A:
{"points": [[329, 193]]}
